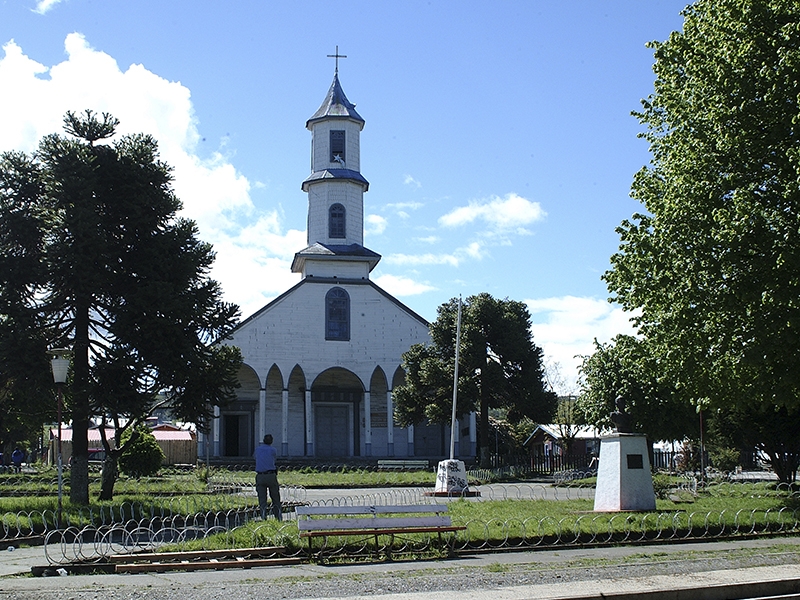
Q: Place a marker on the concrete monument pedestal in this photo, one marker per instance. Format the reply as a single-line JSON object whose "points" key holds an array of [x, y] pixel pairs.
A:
{"points": [[451, 477], [451, 480], [624, 481]]}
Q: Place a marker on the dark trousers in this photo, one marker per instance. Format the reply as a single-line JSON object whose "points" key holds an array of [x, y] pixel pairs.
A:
{"points": [[268, 482]]}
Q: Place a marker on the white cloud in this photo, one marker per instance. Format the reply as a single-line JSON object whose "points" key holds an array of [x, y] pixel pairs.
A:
{"points": [[43, 6], [400, 208], [402, 286], [567, 326], [258, 278], [404, 205], [502, 215], [409, 180], [250, 247], [474, 250], [27, 114], [431, 239], [374, 225], [266, 233], [422, 259]]}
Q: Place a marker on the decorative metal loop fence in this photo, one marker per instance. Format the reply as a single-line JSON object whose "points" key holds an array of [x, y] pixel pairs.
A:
{"points": [[185, 524], [215, 530]]}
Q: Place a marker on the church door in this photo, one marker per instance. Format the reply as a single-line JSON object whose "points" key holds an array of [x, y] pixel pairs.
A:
{"points": [[236, 435], [232, 435], [332, 430]]}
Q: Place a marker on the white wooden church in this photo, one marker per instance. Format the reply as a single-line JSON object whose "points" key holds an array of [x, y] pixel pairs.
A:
{"points": [[322, 359]]}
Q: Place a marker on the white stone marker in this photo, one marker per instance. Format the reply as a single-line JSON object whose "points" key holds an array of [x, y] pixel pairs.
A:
{"points": [[451, 477], [624, 481]]}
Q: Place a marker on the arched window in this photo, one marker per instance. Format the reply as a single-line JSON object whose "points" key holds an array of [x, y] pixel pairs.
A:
{"points": [[337, 147], [336, 220], [337, 315]]}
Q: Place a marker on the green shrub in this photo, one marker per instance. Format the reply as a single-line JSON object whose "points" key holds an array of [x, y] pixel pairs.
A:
{"points": [[143, 457], [724, 459], [662, 485], [203, 474]]}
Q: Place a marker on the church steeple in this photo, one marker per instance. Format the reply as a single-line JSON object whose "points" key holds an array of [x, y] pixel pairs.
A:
{"points": [[336, 105], [335, 191]]}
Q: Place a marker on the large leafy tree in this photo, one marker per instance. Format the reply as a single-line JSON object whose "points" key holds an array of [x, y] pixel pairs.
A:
{"points": [[770, 430], [117, 277], [499, 367], [713, 265], [625, 368]]}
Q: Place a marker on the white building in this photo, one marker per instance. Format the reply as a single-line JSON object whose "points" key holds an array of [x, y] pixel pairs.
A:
{"points": [[322, 359]]}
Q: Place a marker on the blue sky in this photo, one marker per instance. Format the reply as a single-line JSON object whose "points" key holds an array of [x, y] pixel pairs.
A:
{"points": [[499, 144]]}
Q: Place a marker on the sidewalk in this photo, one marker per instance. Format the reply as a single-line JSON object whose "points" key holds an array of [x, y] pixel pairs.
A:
{"points": [[18, 561], [703, 584]]}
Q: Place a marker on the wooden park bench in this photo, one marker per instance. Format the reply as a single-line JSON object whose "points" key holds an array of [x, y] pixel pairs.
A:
{"points": [[374, 521], [400, 464]]}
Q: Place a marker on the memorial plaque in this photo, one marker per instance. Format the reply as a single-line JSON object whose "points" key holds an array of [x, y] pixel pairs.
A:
{"points": [[635, 461]]}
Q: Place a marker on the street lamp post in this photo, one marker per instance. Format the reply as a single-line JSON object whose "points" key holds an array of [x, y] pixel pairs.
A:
{"points": [[60, 366]]}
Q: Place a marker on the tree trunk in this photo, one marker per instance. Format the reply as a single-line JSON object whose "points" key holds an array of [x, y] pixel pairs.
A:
{"points": [[784, 464], [79, 472], [108, 477]]}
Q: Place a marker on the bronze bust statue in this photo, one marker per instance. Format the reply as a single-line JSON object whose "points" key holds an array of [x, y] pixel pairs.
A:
{"points": [[622, 420]]}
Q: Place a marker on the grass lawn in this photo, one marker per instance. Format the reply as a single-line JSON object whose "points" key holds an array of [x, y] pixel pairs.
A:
{"points": [[343, 478], [717, 509], [531, 522]]}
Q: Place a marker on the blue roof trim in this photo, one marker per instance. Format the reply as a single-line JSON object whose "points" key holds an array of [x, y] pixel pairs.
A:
{"points": [[319, 251], [345, 174]]}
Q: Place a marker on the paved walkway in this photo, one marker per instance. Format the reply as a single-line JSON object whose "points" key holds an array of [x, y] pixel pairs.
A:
{"points": [[715, 584], [493, 491]]}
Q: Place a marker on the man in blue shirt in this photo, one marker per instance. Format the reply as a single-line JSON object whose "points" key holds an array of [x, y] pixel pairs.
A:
{"points": [[17, 456], [267, 477]]}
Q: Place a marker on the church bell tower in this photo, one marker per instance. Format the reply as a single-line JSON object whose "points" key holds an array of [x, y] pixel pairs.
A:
{"points": [[335, 191]]}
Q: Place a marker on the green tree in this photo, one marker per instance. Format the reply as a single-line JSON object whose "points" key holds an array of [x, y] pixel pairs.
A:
{"points": [[770, 429], [142, 456], [26, 388], [499, 367], [713, 267], [626, 368], [117, 277]]}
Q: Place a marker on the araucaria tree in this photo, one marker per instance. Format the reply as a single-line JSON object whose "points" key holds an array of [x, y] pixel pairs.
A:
{"points": [[713, 265], [117, 277], [499, 367], [26, 387]]}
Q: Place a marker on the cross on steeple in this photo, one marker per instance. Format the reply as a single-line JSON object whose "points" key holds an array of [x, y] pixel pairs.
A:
{"points": [[337, 56]]}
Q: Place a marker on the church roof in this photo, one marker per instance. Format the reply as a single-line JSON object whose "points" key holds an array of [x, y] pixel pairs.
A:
{"points": [[336, 105], [321, 251], [335, 174], [327, 281]]}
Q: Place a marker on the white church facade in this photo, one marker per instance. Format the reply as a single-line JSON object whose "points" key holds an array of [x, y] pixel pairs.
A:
{"points": [[322, 359]]}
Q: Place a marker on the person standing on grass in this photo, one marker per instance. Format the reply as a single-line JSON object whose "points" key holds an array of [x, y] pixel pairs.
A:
{"points": [[267, 477], [17, 456]]}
